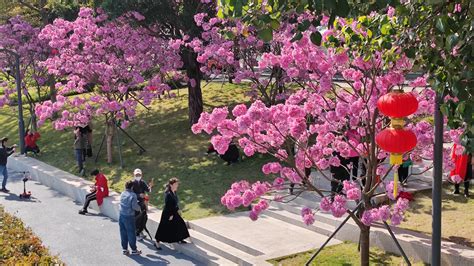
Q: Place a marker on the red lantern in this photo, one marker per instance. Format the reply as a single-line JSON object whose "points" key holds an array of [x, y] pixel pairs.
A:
{"points": [[396, 141], [397, 104]]}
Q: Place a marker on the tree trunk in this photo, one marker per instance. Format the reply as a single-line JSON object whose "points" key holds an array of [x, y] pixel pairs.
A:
{"points": [[195, 94], [364, 245], [34, 122], [109, 132], [52, 91]]}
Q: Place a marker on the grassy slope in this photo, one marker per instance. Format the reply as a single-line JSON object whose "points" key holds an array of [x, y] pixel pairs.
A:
{"points": [[341, 254], [457, 217], [172, 150]]}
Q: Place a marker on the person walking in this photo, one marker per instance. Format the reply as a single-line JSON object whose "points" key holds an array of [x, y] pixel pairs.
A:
{"points": [[140, 188], [79, 147], [128, 206], [172, 227], [4, 153], [99, 191], [30, 142]]}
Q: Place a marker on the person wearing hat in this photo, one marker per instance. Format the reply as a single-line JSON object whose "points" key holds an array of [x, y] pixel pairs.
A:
{"points": [[140, 188], [4, 153]]}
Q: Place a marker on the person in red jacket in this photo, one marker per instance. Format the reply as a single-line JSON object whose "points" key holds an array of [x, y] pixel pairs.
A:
{"points": [[99, 191], [462, 169], [30, 142]]}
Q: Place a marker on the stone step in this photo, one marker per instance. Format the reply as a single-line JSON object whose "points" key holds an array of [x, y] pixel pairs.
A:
{"points": [[295, 208], [226, 240], [236, 256], [294, 219], [201, 254]]}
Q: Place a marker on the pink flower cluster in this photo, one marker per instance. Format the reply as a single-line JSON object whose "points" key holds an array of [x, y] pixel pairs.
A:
{"points": [[397, 212], [337, 207], [376, 214], [389, 190], [271, 168], [231, 48], [352, 190], [257, 209], [307, 215], [92, 53], [19, 36], [311, 128], [243, 194], [457, 179], [384, 213]]}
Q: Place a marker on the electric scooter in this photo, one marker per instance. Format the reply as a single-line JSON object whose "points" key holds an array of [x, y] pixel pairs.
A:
{"points": [[25, 195]]}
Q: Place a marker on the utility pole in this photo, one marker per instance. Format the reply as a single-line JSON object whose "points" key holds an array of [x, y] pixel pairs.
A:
{"points": [[437, 184]]}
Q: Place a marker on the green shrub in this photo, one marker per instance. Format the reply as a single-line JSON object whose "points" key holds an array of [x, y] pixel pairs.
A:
{"points": [[18, 244]]}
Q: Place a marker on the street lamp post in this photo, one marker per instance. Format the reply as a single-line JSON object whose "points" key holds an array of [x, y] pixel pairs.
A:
{"points": [[437, 184], [21, 123]]}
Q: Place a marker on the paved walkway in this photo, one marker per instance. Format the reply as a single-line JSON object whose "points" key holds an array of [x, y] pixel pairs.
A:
{"points": [[77, 239]]}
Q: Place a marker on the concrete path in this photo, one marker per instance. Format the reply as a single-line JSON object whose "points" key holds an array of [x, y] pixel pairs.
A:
{"points": [[78, 240], [263, 239]]}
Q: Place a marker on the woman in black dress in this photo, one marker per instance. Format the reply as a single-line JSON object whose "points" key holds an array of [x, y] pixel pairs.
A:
{"points": [[172, 227]]}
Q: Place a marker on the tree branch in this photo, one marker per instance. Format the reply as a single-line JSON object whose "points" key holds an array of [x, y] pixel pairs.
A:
{"points": [[30, 6]]}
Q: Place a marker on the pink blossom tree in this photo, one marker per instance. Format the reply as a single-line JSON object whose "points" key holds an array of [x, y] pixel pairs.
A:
{"points": [[19, 36], [325, 123], [174, 20], [232, 49], [111, 67]]}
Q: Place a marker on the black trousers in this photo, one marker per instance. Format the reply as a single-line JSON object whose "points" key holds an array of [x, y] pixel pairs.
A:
{"points": [[467, 178], [341, 174], [355, 166], [34, 149], [89, 197], [403, 173], [141, 218], [466, 187]]}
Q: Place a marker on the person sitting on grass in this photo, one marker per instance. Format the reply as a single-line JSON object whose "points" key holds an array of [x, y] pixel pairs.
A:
{"points": [[231, 156], [30, 142], [99, 191]]}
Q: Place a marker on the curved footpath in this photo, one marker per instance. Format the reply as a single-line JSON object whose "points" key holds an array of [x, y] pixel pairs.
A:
{"points": [[78, 240], [220, 240]]}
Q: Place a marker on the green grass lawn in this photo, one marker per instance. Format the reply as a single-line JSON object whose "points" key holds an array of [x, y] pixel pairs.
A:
{"points": [[172, 150], [19, 246], [341, 254], [457, 216]]}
